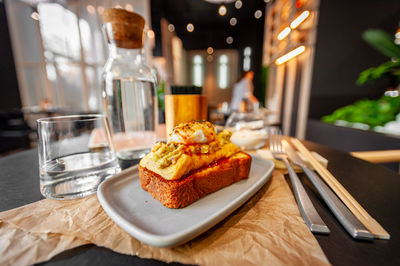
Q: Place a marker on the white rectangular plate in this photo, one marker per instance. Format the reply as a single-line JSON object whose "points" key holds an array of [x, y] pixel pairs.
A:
{"points": [[147, 220]]}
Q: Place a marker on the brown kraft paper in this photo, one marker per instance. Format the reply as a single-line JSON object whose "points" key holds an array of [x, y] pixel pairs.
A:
{"points": [[267, 230]]}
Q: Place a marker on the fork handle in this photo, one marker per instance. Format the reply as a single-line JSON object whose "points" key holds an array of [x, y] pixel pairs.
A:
{"points": [[307, 210]]}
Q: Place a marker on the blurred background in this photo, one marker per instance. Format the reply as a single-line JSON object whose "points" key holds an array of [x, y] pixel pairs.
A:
{"points": [[308, 58]]}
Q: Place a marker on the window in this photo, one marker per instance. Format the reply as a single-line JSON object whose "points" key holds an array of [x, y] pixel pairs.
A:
{"points": [[59, 30], [198, 70], [62, 51], [246, 59], [223, 71], [71, 57]]}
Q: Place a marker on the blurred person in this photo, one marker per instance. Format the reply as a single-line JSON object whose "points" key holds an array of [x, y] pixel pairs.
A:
{"points": [[243, 92]]}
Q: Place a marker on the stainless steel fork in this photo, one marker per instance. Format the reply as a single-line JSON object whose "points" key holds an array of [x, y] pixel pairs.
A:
{"points": [[307, 210]]}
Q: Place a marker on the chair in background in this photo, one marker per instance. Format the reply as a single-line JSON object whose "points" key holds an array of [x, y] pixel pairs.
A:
{"points": [[14, 132]]}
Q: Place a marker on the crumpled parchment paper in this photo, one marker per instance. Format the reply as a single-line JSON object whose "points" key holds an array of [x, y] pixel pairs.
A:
{"points": [[267, 230]]}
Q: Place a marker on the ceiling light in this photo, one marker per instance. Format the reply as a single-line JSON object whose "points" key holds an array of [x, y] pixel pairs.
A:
{"points": [[190, 27], [229, 40], [285, 32], [290, 55], [219, 1], [222, 10], [258, 14], [129, 7], [297, 21], [100, 9], [151, 34], [210, 50], [90, 9], [299, 3], [171, 27], [397, 36], [238, 4], [35, 15], [233, 21]]}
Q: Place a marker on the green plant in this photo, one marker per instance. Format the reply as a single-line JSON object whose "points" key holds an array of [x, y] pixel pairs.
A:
{"points": [[374, 112], [370, 112], [385, 44]]}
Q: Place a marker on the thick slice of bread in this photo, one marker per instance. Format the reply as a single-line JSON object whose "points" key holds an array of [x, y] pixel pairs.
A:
{"points": [[198, 183]]}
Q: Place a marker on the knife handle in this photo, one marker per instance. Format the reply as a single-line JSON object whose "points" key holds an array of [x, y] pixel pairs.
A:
{"points": [[352, 225], [307, 210]]}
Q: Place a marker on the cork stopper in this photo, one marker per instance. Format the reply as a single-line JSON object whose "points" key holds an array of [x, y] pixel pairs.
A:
{"points": [[124, 28]]}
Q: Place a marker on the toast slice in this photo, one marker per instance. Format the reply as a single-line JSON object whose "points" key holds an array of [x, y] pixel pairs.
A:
{"points": [[198, 183]]}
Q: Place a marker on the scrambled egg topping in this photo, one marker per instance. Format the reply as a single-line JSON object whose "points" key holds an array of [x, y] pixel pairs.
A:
{"points": [[193, 132], [190, 146]]}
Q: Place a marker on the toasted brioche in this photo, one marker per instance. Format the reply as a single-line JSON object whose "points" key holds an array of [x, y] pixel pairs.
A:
{"points": [[198, 183]]}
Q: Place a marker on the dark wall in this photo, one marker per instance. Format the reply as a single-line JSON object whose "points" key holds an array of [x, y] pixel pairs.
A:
{"points": [[8, 79], [341, 53]]}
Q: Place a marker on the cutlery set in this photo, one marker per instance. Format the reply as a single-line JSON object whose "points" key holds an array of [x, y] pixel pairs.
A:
{"points": [[356, 221]]}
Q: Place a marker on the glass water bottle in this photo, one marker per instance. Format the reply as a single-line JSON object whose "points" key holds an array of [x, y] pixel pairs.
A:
{"points": [[128, 86]]}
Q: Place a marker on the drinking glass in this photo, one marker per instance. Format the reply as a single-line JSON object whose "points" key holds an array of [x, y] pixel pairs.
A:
{"points": [[75, 155]]}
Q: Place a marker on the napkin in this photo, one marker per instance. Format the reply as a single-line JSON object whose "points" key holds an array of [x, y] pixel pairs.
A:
{"points": [[267, 229]]}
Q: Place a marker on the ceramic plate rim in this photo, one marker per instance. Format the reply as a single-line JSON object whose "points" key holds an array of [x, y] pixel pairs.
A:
{"points": [[189, 232]]}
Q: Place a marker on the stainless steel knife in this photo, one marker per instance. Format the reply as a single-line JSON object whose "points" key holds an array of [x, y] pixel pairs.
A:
{"points": [[352, 225]]}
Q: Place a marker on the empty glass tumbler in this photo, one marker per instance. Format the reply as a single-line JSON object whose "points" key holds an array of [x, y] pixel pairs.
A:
{"points": [[75, 155]]}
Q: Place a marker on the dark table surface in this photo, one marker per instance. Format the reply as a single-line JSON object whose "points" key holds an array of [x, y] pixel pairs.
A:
{"points": [[376, 188]]}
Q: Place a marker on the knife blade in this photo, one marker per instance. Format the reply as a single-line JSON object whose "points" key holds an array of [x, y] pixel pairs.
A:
{"points": [[352, 225]]}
